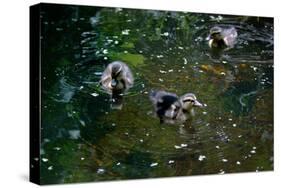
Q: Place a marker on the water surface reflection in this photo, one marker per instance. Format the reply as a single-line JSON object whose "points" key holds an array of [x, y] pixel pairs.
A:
{"points": [[83, 139]]}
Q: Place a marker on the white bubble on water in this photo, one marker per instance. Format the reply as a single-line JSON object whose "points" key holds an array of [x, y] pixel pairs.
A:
{"points": [[222, 171], [57, 148], [94, 94], [125, 32], [82, 123], [153, 164], [184, 145], [184, 61], [100, 171], [201, 157]]}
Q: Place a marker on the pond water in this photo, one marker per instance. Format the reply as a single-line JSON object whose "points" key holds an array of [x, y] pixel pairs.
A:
{"points": [[83, 139]]}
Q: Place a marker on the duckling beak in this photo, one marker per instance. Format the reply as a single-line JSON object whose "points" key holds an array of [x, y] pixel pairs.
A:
{"points": [[197, 104]]}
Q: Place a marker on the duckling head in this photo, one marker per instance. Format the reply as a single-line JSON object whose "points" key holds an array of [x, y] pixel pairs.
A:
{"points": [[189, 101], [116, 69], [216, 33]]}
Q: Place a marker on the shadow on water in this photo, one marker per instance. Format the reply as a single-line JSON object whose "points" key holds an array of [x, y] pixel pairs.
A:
{"points": [[84, 139]]}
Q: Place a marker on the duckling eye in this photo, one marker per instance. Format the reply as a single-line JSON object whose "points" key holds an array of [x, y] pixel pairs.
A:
{"points": [[188, 100]]}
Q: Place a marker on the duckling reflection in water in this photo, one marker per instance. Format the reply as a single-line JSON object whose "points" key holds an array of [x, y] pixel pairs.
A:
{"points": [[222, 38], [172, 109], [116, 79]]}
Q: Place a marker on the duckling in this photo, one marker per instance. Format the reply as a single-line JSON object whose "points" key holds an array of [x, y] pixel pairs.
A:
{"points": [[116, 79], [173, 109], [222, 37], [166, 105]]}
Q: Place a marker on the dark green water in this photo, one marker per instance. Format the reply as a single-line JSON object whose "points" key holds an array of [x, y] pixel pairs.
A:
{"points": [[84, 140]]}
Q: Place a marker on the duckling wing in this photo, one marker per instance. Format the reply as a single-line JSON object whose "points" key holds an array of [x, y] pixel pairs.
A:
{"points": [[106, 80], [163, 102], [159, 96], [129, 77]]}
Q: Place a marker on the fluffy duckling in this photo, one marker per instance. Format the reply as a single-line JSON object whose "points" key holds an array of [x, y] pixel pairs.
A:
{"points": [[172, 109], [222, 37], [116, 79]]}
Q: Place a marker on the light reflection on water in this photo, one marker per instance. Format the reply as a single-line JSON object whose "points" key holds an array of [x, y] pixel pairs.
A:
{"points": [[232, 133]]}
